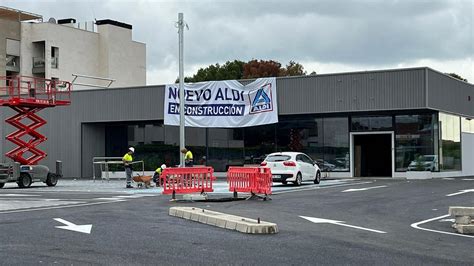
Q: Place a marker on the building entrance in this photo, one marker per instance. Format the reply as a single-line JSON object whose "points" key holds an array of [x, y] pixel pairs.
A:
{"points": [[373, 155]]}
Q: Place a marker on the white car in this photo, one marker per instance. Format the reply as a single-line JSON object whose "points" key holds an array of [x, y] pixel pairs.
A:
{"points": [[293, 167]]}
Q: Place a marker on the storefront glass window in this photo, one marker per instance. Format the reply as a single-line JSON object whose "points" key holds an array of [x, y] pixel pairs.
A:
{"points": [[226, 148], [259, 142], [416, 138], [302, 135], [450, 144], [336, 143], [371, 123]]}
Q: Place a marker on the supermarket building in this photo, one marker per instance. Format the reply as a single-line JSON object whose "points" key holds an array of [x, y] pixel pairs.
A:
{"points": [[387, 123]]}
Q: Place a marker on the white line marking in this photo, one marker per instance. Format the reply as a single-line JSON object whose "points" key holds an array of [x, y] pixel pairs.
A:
{"points": [[416, 226], [448, 220], [314, 188], [62, 207], [468, 179], [362, 189], [19, 195], [86, 228], [460, 192], [342, 223]]}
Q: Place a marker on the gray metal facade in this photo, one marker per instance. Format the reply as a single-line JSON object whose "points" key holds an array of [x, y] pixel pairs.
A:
{"points": [[75, 134]]}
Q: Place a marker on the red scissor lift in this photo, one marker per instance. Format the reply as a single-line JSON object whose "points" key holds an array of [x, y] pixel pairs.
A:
{"points": [[27, 96]]}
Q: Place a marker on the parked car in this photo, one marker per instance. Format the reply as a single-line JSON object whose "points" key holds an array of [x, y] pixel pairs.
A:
{"points": [[424, 163], [325, 166], [293, 167]]}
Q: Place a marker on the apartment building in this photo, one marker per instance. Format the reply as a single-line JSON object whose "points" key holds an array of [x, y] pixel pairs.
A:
{"points": [[57, 49]]}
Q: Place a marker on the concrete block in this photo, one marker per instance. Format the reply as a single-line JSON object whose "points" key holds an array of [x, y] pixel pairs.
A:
{"points": [[203, 218], [463, 219], [193, 197], [211, 221], [186, 214], [465, 229], [242, 227], [195, 216], [172, 211], [231, 222], [220, 222], [461, 211]]}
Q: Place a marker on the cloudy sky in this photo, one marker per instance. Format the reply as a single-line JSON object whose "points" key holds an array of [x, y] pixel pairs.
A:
{"points": [[326, 36]]}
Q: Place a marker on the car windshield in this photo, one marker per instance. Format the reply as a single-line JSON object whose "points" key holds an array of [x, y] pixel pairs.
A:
{"points": [[277, 158]]}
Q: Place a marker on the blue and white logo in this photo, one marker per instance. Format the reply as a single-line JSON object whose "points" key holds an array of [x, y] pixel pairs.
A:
{"points": [[261, 100]]}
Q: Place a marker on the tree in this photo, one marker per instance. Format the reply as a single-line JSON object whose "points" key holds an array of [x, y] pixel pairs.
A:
{"points": [[230, 70], [456, 76], [293, 69], [262, 68], [252, 69]]}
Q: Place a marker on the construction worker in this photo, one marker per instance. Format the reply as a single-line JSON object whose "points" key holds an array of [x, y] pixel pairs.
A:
{"points": [[127, 160], [188, 157], [157, 176]]}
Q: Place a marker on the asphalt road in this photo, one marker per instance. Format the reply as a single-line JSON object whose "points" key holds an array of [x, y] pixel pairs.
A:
{"points": [[135, 228]]}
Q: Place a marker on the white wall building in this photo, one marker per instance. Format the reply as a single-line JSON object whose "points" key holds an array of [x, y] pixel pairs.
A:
{"points": [[57, 50]]}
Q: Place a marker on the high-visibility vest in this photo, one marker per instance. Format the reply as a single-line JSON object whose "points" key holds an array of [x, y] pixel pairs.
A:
{"points": [[127, 157], [188, 156]]}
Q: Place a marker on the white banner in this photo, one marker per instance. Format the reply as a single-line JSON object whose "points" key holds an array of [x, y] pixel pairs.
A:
{"points": [[224, 104]]}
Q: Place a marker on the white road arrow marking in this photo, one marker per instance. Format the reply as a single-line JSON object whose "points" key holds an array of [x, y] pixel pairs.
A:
{"points": [[86, 229], [361, 189], [342, 223], [447, 220], [460, 192]]}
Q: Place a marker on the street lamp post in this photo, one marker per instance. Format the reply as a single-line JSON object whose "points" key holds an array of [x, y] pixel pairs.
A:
{"points": [[181, 25]]}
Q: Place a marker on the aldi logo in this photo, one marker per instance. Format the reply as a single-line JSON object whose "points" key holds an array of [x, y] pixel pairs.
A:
{"points": [[261, 100]]}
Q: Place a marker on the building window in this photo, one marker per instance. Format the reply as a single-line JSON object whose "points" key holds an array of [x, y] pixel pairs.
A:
{"points": [[54, 57], [450, 143], [259, 142], [416, 139], [336, 143], [301, 134], [467, 125], [371, 123]]}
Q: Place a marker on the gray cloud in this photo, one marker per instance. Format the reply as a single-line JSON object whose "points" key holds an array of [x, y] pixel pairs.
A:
{"points": [[354, 32]]}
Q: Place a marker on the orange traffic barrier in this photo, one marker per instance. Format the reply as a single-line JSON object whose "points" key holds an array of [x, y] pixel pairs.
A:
{"points": [[255, 180], [186, 180]]}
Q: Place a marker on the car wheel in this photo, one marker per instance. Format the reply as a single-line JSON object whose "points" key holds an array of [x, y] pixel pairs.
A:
{"points": [[24, 180], [284, 182], [1, 185], [51, 180], [317, 178], [299, 179]]}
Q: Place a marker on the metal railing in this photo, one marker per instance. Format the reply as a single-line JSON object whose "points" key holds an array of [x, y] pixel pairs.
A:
{"points": [[105, 162]]}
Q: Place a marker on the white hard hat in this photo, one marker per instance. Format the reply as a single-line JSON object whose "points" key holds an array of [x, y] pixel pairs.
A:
{"points": [[163, 166], [131, 149]]}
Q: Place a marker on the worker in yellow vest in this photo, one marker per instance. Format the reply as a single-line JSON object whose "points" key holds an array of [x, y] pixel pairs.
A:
{"points": [[157, 176], [127, 160], [188, 157]]}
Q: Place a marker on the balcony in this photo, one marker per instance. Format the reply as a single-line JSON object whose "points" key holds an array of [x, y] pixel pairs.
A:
{"points": [[38, 65], [13, 63]]}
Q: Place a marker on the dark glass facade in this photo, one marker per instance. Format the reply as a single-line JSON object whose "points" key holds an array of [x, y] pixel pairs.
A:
{"points": [[450, 142], [417, 136], [416, 140]]}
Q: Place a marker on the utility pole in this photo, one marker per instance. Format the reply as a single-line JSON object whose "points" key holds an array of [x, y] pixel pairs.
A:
{"points": [[181, 24]]}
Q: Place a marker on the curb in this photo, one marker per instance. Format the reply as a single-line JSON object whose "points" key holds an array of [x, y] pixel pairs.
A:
{"points": [[222, 220]]}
